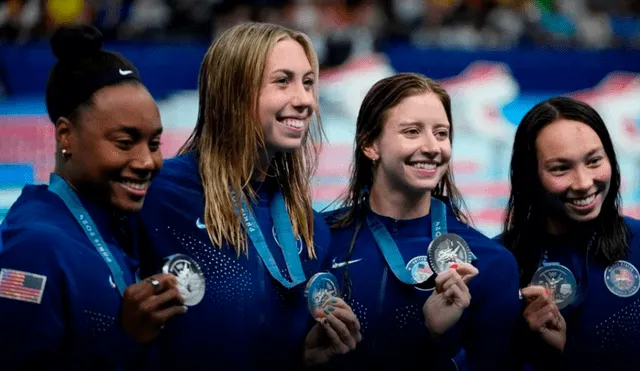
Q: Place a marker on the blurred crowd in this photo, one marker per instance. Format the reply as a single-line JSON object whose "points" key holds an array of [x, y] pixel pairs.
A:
{"points": [[346, 26]]}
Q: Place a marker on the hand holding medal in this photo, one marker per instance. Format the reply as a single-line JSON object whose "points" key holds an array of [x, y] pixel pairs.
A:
{"points": [[337, 330], [147, 305], [543, 316], [449, 299]]}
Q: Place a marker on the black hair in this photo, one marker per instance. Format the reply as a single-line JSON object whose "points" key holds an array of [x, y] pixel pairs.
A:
{"points": [[82, 69]]}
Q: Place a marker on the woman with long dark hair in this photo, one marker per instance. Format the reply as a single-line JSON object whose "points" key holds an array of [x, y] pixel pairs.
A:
{"points": [[578, 255]]}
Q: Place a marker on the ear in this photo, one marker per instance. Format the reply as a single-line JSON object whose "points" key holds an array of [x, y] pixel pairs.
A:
{"points": [[64, 136], [371, 151]]}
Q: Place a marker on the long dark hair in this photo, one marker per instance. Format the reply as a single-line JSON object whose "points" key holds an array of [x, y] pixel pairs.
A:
{"points": [[384, 95], [526, 214]]}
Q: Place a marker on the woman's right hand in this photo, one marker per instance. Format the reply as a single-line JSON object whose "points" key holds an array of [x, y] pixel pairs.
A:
{"points": [[543, 316], [148, 304]]}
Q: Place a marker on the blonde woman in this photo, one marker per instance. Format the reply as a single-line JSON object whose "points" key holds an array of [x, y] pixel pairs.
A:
{"points": [[236, 202]]}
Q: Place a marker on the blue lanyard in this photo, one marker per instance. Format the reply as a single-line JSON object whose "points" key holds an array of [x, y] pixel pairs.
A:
{"points": [[60, 187], [284, 233], [388, 247]]}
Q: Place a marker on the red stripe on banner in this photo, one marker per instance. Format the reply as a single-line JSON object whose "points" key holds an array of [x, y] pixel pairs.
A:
{"points": [[29, 139]]}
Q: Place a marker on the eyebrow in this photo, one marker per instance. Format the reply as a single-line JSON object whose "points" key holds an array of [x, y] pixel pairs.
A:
{"points": [[134, 131], [290, 73], [413, 123], [565, 160]]}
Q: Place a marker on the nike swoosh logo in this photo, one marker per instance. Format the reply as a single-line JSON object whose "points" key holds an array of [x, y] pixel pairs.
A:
{"points": [[335, 265], [200, 224], [125, 72]]}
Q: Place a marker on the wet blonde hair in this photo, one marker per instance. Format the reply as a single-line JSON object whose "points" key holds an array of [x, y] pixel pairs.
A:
{"points": [[229, 136]]}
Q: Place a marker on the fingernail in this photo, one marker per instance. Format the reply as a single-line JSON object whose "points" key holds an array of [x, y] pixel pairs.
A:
{"points": [[331, 308], [334, 300], [546, 292], [454, 266], [186, 308], [326, 311], [325, 321]]}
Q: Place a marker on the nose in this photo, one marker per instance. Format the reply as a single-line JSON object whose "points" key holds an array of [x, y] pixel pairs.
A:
{"points": [[302, 97], [144, 160], [583, 180], [430, 146]]}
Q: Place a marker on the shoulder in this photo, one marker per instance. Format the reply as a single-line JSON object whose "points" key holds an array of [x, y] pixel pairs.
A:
{"points": [[321, 233], [633, 225], [38, 241], [338, 234], [177, 172], [499, 238], [332, 215], [489, 251], [37, 216], [634, 234], [39, 229], [175, 188]]}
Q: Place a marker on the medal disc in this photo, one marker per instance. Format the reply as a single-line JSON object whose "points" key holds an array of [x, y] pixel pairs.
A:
{"points": [[560, 282], [448, 249], [320, 288], [191, 281]]}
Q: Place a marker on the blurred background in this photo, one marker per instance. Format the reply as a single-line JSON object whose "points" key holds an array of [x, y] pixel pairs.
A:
{"points": [[497, 58]]}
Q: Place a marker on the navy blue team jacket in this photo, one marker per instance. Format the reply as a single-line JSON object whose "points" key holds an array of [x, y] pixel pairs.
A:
{"points": [[59, 306], [390, 312], [246, 320], [603, 323]]}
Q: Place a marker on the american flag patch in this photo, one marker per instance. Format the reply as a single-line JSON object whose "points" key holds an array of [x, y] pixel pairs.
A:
{"points": [[23, 286]]}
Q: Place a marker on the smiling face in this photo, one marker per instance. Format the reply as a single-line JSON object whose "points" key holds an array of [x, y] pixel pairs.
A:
{"points": [[573, 168], [114, 146], [413, 150], [287, 100]]}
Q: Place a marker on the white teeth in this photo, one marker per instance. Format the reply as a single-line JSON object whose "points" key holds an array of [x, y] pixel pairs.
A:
{"points": [[583, 201], [298, 124], [424, 165], [133, 185]]}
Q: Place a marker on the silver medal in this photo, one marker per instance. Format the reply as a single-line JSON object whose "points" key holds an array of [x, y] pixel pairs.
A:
{"points": [[320, 288], [560, 282], [191, 281], [448, 249]]}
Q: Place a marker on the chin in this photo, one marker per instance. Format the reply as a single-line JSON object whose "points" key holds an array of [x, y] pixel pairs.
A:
{"points": [[421, 187], [288, 146], [128, 206], [583, 218]]}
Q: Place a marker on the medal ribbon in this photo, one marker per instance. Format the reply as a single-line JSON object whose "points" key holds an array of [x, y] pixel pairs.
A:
{"points": [[60, 187], [388, 247], [284, 233]]}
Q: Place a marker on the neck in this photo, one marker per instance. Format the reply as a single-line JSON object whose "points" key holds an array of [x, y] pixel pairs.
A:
{"points": [[262, 167], [77, 188], [399, 205], [557, 225], [64, 174]]}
